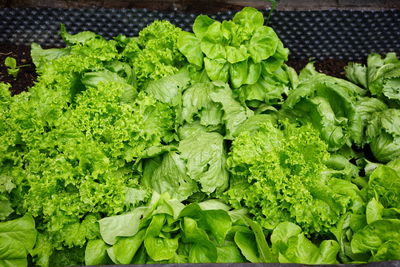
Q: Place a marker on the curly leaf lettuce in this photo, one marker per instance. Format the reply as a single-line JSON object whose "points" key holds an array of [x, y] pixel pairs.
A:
{"points": [[278, 174]]}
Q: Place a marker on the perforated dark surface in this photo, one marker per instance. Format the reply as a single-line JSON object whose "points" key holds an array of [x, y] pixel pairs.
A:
{"points": [[320, 34]]}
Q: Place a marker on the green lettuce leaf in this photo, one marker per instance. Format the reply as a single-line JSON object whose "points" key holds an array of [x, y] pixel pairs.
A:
{"points": [[380, 240], [17, 239], [383, 135], [330, 105], [205, 159], [279, 177], [293, 247], [169, 174]]}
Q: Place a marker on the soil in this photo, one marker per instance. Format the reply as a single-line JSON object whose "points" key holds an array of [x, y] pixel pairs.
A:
{"points": [[27, 75], [333, 67]]}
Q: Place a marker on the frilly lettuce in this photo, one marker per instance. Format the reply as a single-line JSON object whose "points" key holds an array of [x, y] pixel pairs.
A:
{"points": [[73, 144], [154, 53], [278, 174]]}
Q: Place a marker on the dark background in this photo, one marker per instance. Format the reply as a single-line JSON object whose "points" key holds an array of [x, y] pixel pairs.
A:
{"points": [[209, 6], [331, 32]]}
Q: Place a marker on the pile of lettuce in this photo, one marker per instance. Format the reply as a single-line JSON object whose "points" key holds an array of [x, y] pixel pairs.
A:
{"points": [[180, 147]]}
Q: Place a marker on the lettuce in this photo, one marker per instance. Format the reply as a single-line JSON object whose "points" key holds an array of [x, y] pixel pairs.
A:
{"points": [[74, 142], [214, 105], [242, 52], [17, 238], [293, 247], [167, 231], [383, 134], [384, 184], [381, 76], [278, 174], [329, 104], [203, 147], [380, 239], [154, 53]]}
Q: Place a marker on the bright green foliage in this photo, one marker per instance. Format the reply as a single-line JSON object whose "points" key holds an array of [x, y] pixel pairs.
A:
{"points": [[17, 238], [214, 105], [293, 247], [71, 146], [381, 76], [383, 134], [329, 104], [129, 150], [278, 174], [371, 233], [384, 184], [242, 52], [166, 231], [12, 68], [154, 54]]}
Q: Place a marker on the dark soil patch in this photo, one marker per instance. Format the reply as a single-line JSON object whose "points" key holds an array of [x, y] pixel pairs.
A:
{"points": [[332, 67], [26, 76]]}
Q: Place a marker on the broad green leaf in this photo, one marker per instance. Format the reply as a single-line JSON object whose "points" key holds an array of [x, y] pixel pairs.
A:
{"points": [[201, 24], [168, 89], [169, 175], [157, 246], [213, 50], [217, 222], [249, 17], [282, 233], [376, 236], [374, 211], [263, 249], [197, 103], [238, 73], [121, 225], [236, 54], [189, 45], [205, 161], [96, 252], [213, 204], [247, 244], [263, 44], [203, 253], [217, 69], [17, 238], [229, 254], [126, 247], [234, 113], [253, 73]]}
